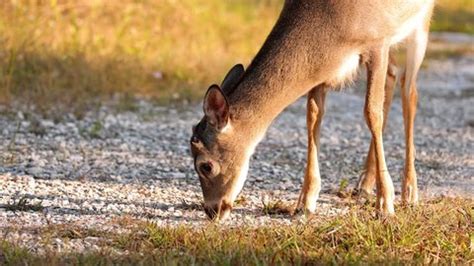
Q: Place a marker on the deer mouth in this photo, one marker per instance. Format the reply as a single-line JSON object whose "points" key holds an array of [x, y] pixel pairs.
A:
{"points": [[218, 211]]}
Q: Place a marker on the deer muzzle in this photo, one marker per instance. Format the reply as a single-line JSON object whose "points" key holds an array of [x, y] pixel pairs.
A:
{"points": [[218, 211]]}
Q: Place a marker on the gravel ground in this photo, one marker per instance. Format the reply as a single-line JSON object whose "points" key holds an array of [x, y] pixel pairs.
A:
{"points": [[88, 172]]}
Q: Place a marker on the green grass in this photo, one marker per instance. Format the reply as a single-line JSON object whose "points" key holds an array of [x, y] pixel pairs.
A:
{"points": [[70, 55], [455, 15], [438, 231]]}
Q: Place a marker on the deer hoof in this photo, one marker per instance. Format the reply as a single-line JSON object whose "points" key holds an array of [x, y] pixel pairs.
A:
{"points": [[305, 206], [410, 195]]}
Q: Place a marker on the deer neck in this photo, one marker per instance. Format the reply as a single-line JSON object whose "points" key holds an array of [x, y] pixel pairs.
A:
{"points": [[285, 68]]}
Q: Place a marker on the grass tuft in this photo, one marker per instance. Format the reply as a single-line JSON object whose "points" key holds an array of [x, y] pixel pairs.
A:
{"points": [[22, 205], [277, 207]]}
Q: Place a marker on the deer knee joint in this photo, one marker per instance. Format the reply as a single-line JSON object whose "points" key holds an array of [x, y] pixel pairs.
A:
{"points": [[374, 119]]}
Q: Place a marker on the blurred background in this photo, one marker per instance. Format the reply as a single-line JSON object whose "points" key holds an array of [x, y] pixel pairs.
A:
{"points": [[72, 54]]}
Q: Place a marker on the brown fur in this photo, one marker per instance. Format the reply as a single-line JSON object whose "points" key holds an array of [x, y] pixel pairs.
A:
{"points": [[309, 47]]}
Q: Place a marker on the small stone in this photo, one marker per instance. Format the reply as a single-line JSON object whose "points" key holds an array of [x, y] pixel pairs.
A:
{"points": [[34, 171]]}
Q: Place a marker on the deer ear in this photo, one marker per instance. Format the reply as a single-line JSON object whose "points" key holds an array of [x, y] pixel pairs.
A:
{"points": [[216, 107], [232, 78]]}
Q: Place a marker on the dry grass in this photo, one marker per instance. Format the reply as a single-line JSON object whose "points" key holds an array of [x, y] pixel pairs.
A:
{"points": [[69, 55], [65, 54], [454, 15], [438, 231], [22, 204]]}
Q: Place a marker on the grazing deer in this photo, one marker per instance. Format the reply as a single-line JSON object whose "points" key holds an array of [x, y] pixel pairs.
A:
{"points": [[313, 47]]}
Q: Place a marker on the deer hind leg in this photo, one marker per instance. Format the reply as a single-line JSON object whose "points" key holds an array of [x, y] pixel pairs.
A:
{"points": [[312, 179], [367, 179], [376, 73], [416, 47]]}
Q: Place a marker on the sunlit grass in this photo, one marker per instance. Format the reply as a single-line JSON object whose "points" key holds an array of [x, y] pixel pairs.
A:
{"points": [[68, 55], [454, 15], [437, 231], [57, 54]]}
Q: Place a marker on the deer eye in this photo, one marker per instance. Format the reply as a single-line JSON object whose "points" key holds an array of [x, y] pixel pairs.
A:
{"points": [[194, 139], [206, 168]]}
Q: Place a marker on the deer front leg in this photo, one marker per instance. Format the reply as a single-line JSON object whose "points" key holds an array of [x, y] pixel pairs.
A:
{"points": [[416, 47], [376, 73], [367, 179], [312, 179]]}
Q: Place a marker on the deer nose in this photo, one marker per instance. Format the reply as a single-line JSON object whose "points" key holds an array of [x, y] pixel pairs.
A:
{"points": [[211, 211], [218, 211]]}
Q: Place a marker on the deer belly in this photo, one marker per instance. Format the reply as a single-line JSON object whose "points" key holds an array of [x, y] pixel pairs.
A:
{"points": [[346, 71]]}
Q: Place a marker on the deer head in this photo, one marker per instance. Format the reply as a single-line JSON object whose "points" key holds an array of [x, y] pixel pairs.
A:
{"points": [[221, 148]]}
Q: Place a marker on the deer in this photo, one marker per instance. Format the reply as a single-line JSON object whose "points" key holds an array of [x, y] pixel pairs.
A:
{"points": [[314, 47]]}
